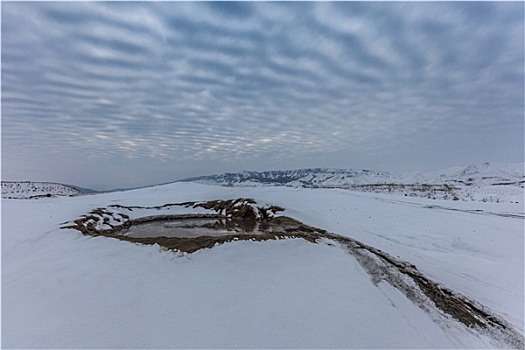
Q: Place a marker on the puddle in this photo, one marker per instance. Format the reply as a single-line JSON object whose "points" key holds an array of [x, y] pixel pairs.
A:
{"points": [[195, 227]]}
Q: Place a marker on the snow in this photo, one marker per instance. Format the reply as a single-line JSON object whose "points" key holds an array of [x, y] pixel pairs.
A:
{"points": [[478, 255], [487, 182], [486, 173], [28, 189], [61, 289]]}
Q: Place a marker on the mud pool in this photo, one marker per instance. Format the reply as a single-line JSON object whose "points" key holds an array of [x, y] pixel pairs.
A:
{"points": [[194, 227]]}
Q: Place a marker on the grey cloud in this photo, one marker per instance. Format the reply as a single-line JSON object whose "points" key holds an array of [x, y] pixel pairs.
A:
{"points": [[232, 9], [240, 84]]}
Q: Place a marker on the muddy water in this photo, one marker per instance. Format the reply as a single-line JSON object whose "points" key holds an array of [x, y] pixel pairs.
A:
{"points": [[191, 228]]}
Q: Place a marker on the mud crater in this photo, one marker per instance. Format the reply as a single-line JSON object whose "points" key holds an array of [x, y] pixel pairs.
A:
{"points": [[192, 227], [226, 221], [241, 219]]}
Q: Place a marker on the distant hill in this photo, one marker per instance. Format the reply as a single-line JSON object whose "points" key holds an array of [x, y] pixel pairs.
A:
{"points": [[480, 182], [30, 189], [476, 174], [482, 174], [317, 177], [486, 182]]}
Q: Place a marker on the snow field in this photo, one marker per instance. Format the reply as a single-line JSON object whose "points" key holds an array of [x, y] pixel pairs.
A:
{"points": [[61, 289], [28, 189]]}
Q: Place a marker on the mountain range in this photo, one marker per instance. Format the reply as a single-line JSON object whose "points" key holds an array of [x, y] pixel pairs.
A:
{"points": [[486, 182], [478, 174]]}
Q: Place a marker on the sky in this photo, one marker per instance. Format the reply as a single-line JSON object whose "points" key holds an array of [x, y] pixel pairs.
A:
{"points": [[123, 94]]}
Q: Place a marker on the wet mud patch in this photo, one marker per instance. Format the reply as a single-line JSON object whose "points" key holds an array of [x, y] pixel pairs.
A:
{"points": [[191, 233], [196, 226], [242, 220], [225, 221]]}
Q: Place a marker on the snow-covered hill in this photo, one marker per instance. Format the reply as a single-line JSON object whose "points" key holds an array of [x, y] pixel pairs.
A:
{"points": [[492, 174], [481, 174], [29, 189], [482, 182], [62, 288], [314, 177]]}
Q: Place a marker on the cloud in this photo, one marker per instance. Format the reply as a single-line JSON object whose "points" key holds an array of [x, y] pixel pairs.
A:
{"points": [[233, 84]]}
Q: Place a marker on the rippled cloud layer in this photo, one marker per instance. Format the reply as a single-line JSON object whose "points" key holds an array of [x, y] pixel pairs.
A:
{"points": [[139, 93]]}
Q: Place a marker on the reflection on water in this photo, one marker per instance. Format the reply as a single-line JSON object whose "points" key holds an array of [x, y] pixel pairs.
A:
{"points": [[193, 227]]}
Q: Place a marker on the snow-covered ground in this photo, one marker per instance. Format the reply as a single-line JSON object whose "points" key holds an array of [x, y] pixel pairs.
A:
{"points": [[61, 289], [30, 189]]}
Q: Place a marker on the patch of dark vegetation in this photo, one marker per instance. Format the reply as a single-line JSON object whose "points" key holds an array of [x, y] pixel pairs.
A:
{"points": [[478, 211], [37, 196], [131, 207], [513, 183], [431, 191], [391, 187]]}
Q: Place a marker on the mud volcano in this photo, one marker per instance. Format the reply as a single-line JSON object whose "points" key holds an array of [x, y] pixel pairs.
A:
{"points": [[223, 221], [191, 228], [233, 220]]}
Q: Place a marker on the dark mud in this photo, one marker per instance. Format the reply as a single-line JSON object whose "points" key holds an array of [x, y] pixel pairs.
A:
{"points": [[190, 234], [241, 220]]}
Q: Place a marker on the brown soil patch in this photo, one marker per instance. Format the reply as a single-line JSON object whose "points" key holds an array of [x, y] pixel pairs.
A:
{"points": [[191, 245]]}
